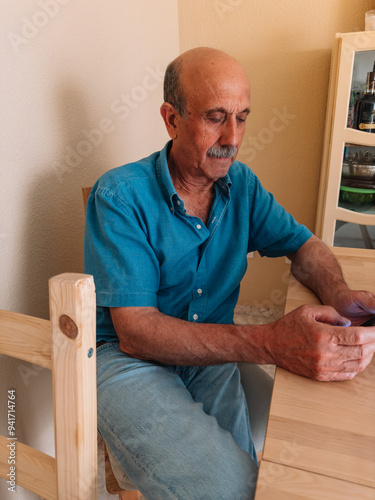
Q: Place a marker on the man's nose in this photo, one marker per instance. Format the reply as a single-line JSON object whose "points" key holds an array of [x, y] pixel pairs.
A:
{"points": [[229, 136]]}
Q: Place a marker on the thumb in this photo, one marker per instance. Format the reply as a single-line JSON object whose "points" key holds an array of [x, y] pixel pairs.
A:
{"points": [[327, 314]]}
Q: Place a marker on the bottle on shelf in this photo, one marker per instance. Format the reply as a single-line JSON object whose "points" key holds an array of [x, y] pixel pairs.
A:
{"points": [[364, 112], [356, 93]]}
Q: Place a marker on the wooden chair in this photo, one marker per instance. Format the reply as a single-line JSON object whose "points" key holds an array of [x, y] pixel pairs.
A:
{"points": [[65, 345]]}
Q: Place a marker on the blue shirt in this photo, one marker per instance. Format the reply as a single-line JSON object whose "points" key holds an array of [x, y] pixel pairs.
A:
{"points": [[143, 249]]}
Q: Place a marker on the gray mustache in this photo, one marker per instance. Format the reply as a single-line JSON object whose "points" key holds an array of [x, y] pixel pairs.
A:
{"points": [[222, 152]]}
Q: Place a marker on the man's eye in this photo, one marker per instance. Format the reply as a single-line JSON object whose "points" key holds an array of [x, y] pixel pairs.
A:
{"points": [[215, 120]]}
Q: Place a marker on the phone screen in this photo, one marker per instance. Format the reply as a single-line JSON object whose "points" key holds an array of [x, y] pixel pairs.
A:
{"points": [[369, 322]]}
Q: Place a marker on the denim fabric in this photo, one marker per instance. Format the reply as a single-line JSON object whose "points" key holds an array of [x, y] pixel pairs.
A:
{"points": [[178, 432]]}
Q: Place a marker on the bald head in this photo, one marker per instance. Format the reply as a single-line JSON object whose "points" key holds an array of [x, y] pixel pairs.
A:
{"points": [[203, 55], [198, 70]]}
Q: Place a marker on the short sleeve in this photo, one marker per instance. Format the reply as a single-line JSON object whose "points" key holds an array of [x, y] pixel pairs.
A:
{"points": [[117, 253], [273, 231]]}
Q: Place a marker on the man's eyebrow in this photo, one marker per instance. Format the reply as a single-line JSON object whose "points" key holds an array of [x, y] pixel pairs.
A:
{"points": [[223, 110]]}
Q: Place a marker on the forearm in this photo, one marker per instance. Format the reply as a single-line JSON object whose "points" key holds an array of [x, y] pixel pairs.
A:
{"points": [[146, 333], [315, 266]]}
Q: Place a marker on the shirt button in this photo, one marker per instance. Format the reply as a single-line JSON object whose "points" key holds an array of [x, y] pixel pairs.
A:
{"points": [[199, 291], [178, 202], [195, 317], [198, 226]]}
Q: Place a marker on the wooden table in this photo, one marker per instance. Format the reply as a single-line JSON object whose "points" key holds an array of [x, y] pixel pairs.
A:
{"points": [[320, 440]]}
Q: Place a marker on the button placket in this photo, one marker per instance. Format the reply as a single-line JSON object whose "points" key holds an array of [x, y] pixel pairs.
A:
{"points": [[198, 304], [217, 216]]}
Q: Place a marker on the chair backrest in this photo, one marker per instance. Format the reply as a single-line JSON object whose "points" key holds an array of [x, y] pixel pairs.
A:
{"points": [[65, 345]]}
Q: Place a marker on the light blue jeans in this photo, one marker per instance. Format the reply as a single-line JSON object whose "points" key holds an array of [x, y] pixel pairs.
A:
{"points": [[179, 432]]}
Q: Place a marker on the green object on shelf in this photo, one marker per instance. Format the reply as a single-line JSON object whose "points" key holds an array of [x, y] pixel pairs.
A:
{"points": [[357, 196]]}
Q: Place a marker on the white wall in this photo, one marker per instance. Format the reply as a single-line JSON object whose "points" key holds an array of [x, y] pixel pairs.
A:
{"points": [[80, 90]]}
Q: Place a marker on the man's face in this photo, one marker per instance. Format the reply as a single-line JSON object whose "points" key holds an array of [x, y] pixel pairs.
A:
{"points": [[217, 105]]}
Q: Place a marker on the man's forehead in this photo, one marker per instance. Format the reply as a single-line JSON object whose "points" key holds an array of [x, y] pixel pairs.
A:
{"points": [[228, 97], [221, 109]]}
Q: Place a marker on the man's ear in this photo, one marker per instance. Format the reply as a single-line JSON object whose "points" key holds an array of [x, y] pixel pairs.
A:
{"points": [[170, 117]]}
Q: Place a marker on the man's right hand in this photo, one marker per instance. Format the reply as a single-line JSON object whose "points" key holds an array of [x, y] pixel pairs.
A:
{"points": [[316, 341]]}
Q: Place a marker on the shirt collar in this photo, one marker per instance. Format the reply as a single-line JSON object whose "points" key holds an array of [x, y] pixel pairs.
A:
{"points": [[164, 177], [166, 184], [224, 183]]}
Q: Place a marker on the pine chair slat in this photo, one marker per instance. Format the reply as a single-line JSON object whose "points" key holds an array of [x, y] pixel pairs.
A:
{"points": [[66, 345], [34, 469], [26, 337]]}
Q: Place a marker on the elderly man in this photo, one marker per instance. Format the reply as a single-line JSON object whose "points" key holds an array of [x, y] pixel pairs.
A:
{"points": [[166, 240]]}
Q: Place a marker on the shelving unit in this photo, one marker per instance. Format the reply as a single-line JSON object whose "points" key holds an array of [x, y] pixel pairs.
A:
{"points": [[338, 135]]}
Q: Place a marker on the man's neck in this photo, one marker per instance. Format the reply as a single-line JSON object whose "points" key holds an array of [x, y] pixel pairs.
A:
{"points": [[186, 185], [197, 196]]}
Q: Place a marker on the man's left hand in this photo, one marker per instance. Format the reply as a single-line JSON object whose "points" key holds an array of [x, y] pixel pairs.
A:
{"points": [[356, 305]]}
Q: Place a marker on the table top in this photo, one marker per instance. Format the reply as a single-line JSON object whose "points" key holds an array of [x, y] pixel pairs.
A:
{"points": [[281, 482], [325, 429]]}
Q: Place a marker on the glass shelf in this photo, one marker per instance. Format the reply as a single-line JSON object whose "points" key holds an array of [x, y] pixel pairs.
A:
{"points": [[357, 185], [362, 65], [367, 209], [354, 235]]}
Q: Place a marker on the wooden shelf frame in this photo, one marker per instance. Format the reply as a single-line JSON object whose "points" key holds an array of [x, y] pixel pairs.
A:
{"points": [[337, 135]]}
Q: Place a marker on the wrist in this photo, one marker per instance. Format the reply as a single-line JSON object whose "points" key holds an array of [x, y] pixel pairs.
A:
{"points": [[330, 296], [258, 343]]}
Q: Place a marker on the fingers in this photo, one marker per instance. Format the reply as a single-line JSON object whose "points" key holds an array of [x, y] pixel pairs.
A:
{"points": [[354, 353], [347, 358], [355, 335], [326, 314], [356, 365], [345, 371], [365, 300], [337, 377], [358, 305]]}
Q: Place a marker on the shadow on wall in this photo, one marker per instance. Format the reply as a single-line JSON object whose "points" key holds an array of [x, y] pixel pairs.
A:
{"points": [[54, 223]]}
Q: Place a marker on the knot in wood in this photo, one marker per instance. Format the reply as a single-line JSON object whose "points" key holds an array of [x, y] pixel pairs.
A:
{"points": [[68, 326]]}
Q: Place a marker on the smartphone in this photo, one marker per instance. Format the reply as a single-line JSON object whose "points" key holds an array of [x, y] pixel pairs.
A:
{"points": [[369, 322]]}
